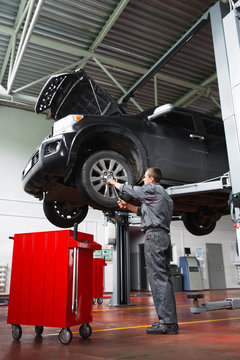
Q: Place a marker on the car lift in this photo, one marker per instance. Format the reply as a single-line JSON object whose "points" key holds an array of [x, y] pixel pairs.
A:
{"points": [[220, 183], [225, 26], [229, 303], [121, 262]]}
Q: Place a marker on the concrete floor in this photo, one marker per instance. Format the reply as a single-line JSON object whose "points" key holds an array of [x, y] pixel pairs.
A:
{"points": [[119, 333]]}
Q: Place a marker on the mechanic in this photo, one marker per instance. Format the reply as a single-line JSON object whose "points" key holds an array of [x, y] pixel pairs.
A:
{"points": [[156, 214]]}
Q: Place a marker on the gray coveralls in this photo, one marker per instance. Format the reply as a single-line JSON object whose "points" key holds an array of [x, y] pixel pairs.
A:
{"points": [[156, 214]]}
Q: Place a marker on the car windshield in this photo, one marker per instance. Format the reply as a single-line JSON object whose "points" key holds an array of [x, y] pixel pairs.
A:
{"points": [[75, 93]]}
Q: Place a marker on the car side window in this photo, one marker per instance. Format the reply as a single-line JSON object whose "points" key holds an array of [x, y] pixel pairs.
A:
{"points": [[179, 120], [213, 126]]}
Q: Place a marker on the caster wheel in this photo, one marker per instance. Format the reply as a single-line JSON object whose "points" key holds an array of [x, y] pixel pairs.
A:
{"points": [[85, 331], [94, 301], [16, 332], [38, 330], [65, 336], [100, 301]]}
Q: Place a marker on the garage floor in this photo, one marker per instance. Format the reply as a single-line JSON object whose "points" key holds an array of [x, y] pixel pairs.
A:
{"points": [[119, 333]]}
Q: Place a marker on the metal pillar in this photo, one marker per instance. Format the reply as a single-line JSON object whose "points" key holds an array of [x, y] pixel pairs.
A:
{"points": [[226, 41], [225, 32], [121, 263]]}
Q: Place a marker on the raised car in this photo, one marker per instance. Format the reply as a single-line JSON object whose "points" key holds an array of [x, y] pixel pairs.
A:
{"points": [[93, 138]]}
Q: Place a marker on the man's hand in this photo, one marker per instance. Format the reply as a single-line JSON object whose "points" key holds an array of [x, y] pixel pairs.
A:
{"points": [[113, 182], [122, 204]]}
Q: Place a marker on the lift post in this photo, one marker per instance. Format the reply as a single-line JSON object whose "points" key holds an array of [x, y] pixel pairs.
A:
{"points": [[121, 262], [226, 42]]}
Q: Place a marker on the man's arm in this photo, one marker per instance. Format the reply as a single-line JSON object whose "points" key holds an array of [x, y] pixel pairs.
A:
{"points": [[135, 192], [121, 203], [124, 205]]}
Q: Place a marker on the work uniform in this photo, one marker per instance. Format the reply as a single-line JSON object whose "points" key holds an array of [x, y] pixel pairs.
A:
{"points": [[156, 214]]}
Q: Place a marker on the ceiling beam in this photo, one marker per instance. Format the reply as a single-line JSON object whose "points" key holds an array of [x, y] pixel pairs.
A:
{"points": [[24, 45], [28, 14], [44, 78], [192, 93], [12, 42], [17, 97], [116, 82], [59, 46], [108, 25], [7, 30]]}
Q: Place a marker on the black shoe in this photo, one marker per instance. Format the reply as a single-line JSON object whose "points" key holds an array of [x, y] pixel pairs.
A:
{"points": [[163, 329], [156, 324]]}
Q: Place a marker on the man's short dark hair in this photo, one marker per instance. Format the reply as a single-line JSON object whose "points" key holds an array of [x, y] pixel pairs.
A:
{"points": [[155, 173]]}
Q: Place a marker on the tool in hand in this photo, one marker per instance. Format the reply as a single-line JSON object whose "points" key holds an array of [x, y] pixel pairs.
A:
{"points": [[114, 189], [116, 193]]}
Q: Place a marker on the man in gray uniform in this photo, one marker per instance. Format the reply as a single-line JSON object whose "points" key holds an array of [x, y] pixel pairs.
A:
{"points": [[156, 214]]}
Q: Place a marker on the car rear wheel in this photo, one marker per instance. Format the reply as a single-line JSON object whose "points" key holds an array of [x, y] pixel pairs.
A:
{"points": [[64, 214], [198, 225], [93, 176]]}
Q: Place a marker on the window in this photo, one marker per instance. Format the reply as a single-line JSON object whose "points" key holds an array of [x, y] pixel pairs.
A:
{"points": [[213, 126], [178, 120]]}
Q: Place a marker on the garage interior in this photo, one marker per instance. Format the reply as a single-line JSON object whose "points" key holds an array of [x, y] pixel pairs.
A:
{"points": [[162, 52]]}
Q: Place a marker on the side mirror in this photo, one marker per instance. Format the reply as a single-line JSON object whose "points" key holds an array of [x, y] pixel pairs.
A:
{"points": [[161, 110]]}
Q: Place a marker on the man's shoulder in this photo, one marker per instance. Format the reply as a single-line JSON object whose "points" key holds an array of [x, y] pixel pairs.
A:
{"points": [[164, 191]]}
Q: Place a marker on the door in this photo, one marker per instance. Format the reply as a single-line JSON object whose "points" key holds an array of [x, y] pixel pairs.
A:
{"points": [[216, 162], [216, 272], [175, 145]]}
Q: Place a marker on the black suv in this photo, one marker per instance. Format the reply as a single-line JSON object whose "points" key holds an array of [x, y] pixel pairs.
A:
{"points": [[93, 138]]}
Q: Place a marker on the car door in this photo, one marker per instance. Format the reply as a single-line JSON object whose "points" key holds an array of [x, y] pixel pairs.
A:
{"points": [[216, 161], [175, 145]]}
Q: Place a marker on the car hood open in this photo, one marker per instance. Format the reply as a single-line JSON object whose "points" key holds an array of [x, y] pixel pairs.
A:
{"points": [[75, 93]]}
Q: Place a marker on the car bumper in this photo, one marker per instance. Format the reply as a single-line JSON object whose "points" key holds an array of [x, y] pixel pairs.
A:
{"points": [[47, 165]]}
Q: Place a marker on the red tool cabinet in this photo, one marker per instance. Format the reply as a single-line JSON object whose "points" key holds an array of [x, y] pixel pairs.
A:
{"points": [[98, 270], [51, 282]]}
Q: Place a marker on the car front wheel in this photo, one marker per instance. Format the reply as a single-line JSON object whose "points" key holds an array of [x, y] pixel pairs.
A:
{"points": [[198, 225], [93, 176], [64, 214]]}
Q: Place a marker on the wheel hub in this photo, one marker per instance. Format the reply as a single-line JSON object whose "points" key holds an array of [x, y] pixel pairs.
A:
{"points": [[104, 169]]}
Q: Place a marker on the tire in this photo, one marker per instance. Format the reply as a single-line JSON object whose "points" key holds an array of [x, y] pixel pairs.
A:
{"points": [[63, 214], [100, 301], [16, 332], [65, 336], [38, 330], [92, 178], [85, 331], [197, 225]]}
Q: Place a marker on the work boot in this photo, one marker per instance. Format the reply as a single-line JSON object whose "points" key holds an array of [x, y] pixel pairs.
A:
{"points": [[156, 324], [163, 329]]}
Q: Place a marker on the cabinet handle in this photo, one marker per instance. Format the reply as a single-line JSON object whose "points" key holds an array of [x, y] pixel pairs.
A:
{"points": [[74, 279], [76, 284]]}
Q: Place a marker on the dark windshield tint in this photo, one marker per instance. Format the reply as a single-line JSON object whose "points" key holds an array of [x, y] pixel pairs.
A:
{"points": [[179, 120], [213, 126]]}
